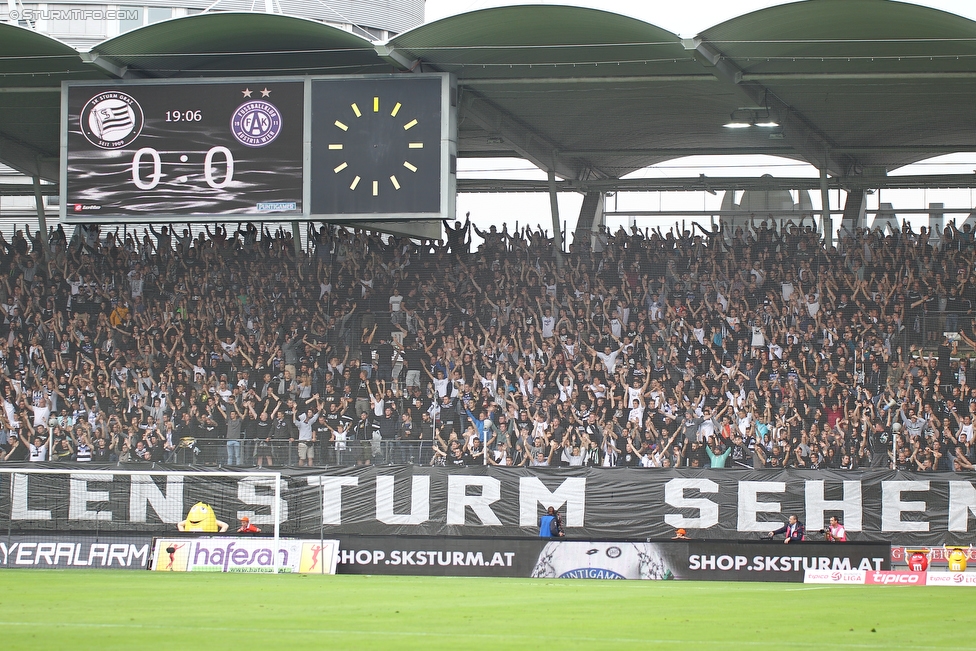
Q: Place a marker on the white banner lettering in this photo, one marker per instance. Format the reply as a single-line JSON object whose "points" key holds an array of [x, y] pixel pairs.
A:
{"points": [[674, 495], [458, 499], [750, 506]]}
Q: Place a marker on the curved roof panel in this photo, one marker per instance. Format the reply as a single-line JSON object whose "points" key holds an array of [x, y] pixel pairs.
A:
{"points": [[393, 15], [867, 73], [29, 58], [230, 43], [545, 40], [32, 67], [872, 35], [518, 65]]}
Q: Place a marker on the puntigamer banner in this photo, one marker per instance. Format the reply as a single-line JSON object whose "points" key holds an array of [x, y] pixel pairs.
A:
{"points": [[595, 503]]}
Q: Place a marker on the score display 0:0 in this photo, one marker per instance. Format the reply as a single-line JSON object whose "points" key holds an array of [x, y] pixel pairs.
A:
{"points": [[157, 168], [184, 116]]}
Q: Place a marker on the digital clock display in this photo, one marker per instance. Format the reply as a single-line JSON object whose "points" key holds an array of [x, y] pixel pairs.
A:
{"points": [[377, 146], [213, 149], [184, 116]]}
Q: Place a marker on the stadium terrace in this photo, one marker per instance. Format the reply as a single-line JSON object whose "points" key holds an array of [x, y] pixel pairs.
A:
{"points": [[755, 348]]}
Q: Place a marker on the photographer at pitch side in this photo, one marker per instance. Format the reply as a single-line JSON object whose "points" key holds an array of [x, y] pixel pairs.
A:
{"points": [[835, 531]]}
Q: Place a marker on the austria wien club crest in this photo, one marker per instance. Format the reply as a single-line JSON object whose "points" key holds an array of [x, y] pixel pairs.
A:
{"points": [[256, 123]]}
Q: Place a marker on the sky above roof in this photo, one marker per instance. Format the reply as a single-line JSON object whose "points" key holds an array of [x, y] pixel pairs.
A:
{"points": [[686, 18]]}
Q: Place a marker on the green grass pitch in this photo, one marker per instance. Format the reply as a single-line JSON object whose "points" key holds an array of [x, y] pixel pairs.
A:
{"points": [[106, 609]]}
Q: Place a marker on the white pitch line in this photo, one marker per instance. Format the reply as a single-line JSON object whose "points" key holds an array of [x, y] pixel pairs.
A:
{"points": [[821, 587], [468, 635]]}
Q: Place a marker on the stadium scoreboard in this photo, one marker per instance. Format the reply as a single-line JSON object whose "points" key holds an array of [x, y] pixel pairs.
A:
{"points": [[366, 147]]}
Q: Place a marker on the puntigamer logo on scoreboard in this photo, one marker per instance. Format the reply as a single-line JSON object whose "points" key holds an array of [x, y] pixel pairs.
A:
{"points": [[112, 120]]}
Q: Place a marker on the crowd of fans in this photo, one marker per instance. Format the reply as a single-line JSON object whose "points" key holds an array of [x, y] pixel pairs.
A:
{"points": [[715, 347]]}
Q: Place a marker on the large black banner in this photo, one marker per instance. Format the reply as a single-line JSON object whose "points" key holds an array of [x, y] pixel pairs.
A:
{"points": [[595, 503]]}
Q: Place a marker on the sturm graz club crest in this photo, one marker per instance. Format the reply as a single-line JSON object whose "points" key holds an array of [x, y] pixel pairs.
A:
{"points": [[111, 120], [256, 123]]}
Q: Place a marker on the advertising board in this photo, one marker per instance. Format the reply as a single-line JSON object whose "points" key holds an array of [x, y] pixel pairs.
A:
{"points": [[578, 559], [74, 552], [229, 554]]}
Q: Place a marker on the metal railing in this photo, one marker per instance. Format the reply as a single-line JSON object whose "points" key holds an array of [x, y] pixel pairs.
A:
{"points": [[926, 331], [282, 452], [929, 328]]}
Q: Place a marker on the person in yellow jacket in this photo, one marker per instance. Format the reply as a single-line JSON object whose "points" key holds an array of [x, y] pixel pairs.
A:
{"points": [[119, 315]]}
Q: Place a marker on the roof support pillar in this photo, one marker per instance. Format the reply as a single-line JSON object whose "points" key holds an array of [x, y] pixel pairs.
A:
{"points": [[825, 221], [296, 235], [28, 159], [41, 217], [397, 58], [557, 234], [529, 143]]}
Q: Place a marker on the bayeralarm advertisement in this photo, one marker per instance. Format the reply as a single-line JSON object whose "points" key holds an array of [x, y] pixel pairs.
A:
{"points": [[69, 551], [182, 149]]}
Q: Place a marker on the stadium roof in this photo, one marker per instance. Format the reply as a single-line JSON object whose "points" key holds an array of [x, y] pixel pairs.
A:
{"points": [[860, 87]]}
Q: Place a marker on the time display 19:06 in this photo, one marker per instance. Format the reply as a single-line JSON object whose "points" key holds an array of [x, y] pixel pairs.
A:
{"points": [[184, 116]]}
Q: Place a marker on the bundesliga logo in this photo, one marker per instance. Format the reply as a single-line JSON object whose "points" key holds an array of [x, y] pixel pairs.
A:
{"points": [[111, 120], [256, 123]]}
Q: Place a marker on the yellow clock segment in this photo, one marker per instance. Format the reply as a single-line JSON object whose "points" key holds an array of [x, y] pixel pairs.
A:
{"points": [[357, 113]]}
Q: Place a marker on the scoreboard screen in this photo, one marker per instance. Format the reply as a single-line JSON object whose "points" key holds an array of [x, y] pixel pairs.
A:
{"points": [[208, 149], [373, 147]]}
